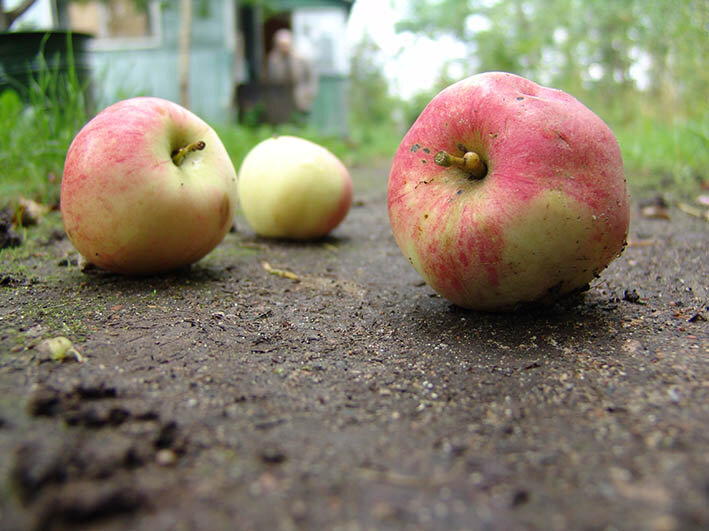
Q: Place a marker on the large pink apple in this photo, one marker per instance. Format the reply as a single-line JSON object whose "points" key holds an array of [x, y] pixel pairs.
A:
{"points": [[504, 192], [147, 187]]}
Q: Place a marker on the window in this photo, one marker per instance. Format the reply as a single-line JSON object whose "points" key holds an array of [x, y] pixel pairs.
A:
{"points": [[117, 23]]}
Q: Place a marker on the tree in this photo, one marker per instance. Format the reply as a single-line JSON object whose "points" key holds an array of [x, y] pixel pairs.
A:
{"points": [[606, 50], [369, 98]]}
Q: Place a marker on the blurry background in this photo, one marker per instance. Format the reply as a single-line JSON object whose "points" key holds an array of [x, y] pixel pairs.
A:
{"points": [[639, 64]]}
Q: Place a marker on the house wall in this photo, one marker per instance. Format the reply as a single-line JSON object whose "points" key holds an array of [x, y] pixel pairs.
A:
{"points": [[318, 30], [124, 67], [330, 109], [150, 66]]}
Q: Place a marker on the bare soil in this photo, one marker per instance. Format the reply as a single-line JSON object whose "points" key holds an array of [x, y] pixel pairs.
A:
{"points": [[226, 396]]}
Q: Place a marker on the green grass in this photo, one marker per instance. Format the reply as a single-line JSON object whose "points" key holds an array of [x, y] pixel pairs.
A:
{"points": [[36, 132], [663, 156], [360, 148]]}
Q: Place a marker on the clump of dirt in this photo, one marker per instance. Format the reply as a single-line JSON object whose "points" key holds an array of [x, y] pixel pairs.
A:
{"points": [[280, 385], [8, 235]]}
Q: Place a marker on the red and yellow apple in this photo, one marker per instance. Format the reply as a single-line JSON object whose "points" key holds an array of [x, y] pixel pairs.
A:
{"points": [[292, 188], [504, 192], [147, 187]]}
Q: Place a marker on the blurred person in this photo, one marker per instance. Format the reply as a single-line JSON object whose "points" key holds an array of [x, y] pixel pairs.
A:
{"points": [[286, 66]]}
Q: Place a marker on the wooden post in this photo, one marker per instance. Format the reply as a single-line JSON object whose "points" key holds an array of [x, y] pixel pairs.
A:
{"points": [[184, 52]]}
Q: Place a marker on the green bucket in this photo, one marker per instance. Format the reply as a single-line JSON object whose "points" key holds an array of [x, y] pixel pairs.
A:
{"points": [[25, 54]]}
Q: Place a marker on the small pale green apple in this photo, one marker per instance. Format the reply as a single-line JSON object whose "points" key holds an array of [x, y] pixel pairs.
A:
{"points": [[292, 188]]}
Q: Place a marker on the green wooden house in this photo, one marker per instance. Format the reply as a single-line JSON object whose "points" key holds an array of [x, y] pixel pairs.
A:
{"points": [[135, 50]]}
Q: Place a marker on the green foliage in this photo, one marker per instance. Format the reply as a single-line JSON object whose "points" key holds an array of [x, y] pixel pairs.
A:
{"points": [[238, 141], [372, 108], [413, 107], [639, 64], [41, 127], [594, 50], [671, 159], [369, 99]]}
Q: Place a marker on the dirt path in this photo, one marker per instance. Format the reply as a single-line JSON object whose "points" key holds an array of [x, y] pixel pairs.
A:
{"points": [[225, 397]]}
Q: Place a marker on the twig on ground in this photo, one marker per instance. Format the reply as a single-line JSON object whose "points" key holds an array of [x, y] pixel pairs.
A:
{"points": [[284, 273]]}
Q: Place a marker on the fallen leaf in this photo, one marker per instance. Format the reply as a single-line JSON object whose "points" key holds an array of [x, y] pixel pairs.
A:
{"points": [[694, 211], [60, 349], [29, 212], [640, 243], [329, 247]]}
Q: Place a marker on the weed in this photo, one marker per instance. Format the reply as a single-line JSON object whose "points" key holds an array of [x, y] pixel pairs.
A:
{"points": [[42, 127], [662, 155]]}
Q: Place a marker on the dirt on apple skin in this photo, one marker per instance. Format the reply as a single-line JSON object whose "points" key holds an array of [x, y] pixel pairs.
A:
{"points": [[229, 396]]}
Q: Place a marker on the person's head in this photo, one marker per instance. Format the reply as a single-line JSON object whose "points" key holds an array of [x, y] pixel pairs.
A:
{"points": [[283, 40]]}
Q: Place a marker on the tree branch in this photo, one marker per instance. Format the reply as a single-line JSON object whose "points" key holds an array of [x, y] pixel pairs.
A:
{"points": [[13, 14]]}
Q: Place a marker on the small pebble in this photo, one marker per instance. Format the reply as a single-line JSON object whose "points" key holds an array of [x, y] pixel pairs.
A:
{"points": [[166, 457]]}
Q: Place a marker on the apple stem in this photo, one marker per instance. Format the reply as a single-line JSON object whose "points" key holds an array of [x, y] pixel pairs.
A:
{"points": [[470, 162], [180, 153]]}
